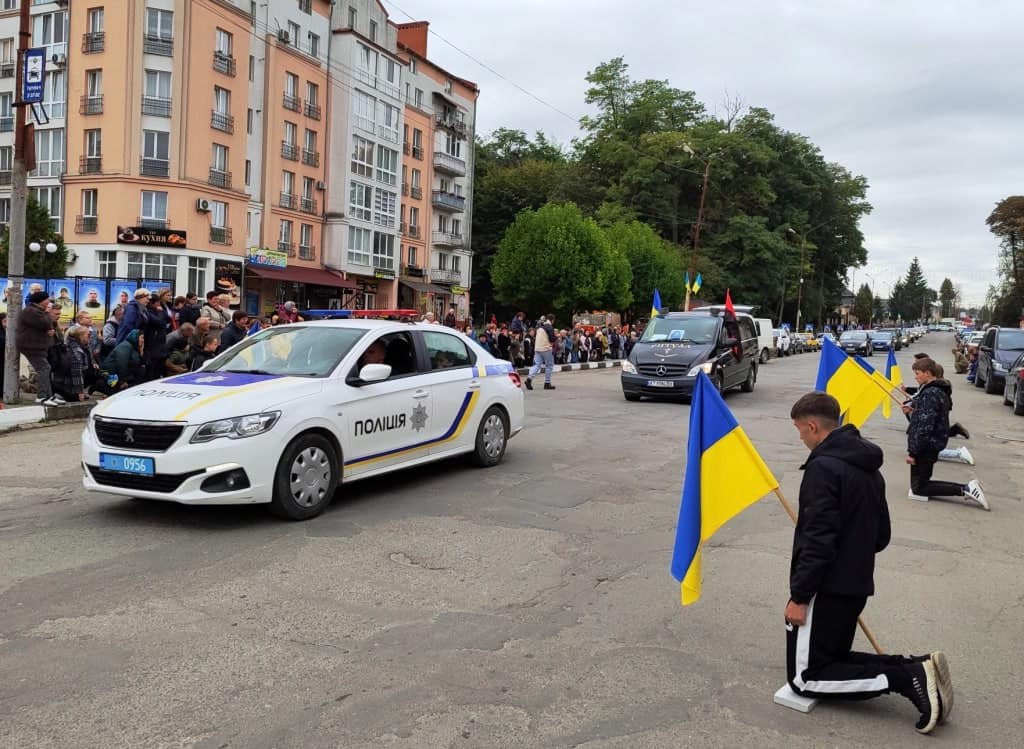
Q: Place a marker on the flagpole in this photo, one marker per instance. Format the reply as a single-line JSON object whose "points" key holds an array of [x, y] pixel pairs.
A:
{"points": [[860, 620]]}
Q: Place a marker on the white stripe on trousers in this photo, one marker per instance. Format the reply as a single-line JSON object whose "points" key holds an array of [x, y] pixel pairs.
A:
{"points": [[803, 655]]}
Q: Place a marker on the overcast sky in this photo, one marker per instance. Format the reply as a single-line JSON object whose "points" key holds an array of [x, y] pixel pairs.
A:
{"points": [[922, 98]]}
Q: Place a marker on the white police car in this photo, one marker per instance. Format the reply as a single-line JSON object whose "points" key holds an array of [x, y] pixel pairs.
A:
{"points": [[287, 415]]}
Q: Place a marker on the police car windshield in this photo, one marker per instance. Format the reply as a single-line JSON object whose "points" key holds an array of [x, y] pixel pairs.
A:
{"points": [[290, 351], [682, 329]]}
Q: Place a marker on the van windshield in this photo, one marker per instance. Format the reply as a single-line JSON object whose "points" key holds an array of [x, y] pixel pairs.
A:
{"points": [[682, 329], [1012, 340]]}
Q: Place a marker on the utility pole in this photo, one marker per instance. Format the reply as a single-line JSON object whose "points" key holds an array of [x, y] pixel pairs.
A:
{"points": [[696, 233], [19, 201]]}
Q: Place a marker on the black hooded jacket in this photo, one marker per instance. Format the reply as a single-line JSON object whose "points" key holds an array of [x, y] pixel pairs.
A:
{"points": [[843, 520], [928, 433]]}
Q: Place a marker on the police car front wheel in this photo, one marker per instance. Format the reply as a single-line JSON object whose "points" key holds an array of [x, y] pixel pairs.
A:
{"points": [[306, 478], [491, 437]]}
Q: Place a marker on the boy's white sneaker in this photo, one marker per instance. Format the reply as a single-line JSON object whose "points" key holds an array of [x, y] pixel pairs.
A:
{"points": [[965, 455], [974, 493], [918, 497]]}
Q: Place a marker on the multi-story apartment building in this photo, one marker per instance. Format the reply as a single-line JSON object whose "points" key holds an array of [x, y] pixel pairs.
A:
{"points": [[439, 160], [49, 32]]}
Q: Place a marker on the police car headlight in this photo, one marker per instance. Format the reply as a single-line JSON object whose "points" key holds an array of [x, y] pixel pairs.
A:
{"points": [[706, 368], [237, 427], [628, 367]]}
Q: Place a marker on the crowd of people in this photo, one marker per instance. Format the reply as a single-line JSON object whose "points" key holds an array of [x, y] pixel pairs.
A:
{"points": [[151, 336]]}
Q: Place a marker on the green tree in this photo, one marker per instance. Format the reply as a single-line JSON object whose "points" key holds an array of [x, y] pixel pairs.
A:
{"points": [[555, 259], [911, 295], [947, 297], [1006, 222], [864, 305], [38, 228], [653, 264]]}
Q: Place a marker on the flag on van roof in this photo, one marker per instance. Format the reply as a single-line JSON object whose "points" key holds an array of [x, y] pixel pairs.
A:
{"points": [[656, 305], [697, 283]]}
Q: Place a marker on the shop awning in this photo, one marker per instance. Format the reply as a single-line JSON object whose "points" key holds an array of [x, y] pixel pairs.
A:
{"points": [[425, 288], [298, 274]]}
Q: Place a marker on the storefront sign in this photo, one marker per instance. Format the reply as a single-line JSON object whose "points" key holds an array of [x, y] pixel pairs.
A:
{"points": [[458, 290], [227, 279], [382, 273], [151, 237], [267, 258]]}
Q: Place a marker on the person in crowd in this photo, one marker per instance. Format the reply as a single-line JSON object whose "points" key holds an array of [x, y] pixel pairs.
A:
{"points": [[289, 313], [84, 319], [504, 342], [518, 324], [485, 343], [586, 346], [450, 317], [75, 383], [136, 315], [35, 337], [126, 361], [430, 318], [842, 525], [597, 347], [235, 331], [217, 310], [189, 311], [515, 350], [176, 306], [110, 328], [157, 326], [614, 344], [180, 339], [543, 353], [206, 350], [928, 435], [960, 361]]}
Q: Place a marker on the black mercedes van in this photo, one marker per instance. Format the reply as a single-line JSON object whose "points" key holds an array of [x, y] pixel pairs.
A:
{"points": [[676, 346]]}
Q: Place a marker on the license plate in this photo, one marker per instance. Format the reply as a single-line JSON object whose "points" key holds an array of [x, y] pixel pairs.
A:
{"points": [[660, 384], [127, 464]]}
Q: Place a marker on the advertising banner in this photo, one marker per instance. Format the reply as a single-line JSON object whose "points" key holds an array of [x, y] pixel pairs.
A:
{"points": [[227, 275], [143, 235], [267, 258]]}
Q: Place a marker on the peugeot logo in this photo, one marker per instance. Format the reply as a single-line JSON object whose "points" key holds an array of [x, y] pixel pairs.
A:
{"points": [[129, 436], [662, 371]]}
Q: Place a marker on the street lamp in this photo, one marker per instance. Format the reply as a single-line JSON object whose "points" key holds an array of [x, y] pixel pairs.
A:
{"points": [[51, 248]]}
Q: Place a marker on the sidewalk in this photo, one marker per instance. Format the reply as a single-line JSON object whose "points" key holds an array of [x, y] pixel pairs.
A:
{"points": [[606, 364], [15, 417]]}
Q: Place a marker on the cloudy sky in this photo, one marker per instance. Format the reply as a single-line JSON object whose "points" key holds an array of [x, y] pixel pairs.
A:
{"points": [[922, 98]]}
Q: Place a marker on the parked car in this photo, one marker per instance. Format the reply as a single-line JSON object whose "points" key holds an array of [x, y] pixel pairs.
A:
{"points": [[797, 344], [1013, 388], [813, 342], [882, 340], [999, 348], [783, 342], [856, 342], [897, 337]]}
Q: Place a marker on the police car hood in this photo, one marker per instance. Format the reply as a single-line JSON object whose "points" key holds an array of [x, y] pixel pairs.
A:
{"points": [[670, 352], [205, 396]]}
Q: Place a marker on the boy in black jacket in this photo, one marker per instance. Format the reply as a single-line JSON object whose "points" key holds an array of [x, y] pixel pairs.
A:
{"points": [[928, 435], [843, 522]]}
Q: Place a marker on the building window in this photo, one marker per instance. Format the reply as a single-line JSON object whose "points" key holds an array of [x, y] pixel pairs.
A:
{"points": [[412, 256], [153, 265], [457, 263], [54, 94], [49, 153], [308, 187], [89, 203], [359, 245], [362, 157], [94, 21], [291, 133], [383, 250], [107, 261], [448, 86], [197, 275], [312, 94], [284, 237], [364, 107], [389, 118], [453, 145], [306, 6], [373, 31], [5, 210], [414, 217], [248, 121], [416, 179], [49, 198], [412, 65], [93, 83], [156, 145], [93, 143], [219, 160], [248, 173], [288, 184], [314, 44], [293, 33], [309, 142], [351, 18], [385, 206], [360, 201], [387, 165], [154, 207], [252, 68], [50, 30], [418, 98], [223, 43], [157, 95], [218, 214], [159, 24], [221, 101], [306, 242], [417, 138]]}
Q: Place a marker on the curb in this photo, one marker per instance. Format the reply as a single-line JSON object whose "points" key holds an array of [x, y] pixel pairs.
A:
{"points": [[28, 417], [609, 364]]}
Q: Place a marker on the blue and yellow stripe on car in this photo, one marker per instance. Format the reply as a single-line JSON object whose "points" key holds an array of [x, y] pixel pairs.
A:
{"points": [[453, 432]]}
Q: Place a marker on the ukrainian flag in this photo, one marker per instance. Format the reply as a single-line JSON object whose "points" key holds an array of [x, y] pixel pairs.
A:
{"points": [[892, 374], [724, 476], [655, 304], [697, 283], [851, 381]]}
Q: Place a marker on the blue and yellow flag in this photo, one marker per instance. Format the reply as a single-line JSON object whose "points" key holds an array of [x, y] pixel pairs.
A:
{"points": [[724, 476], [656, 305], [892, 374], [697, 283], [851, 381]]}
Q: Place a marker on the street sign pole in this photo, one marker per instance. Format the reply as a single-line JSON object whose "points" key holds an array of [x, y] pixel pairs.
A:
{"points": [[19, 202]]}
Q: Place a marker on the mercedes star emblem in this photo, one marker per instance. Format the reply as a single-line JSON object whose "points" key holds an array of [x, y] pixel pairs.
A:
{"points": [[662, 371]]}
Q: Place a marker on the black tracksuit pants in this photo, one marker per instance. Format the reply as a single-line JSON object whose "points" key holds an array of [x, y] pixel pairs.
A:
{"points": [[819, 662], [921, 482]]}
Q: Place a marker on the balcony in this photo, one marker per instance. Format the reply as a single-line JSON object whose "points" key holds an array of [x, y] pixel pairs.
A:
{"points": [[411, 230], [293, 103], [5, 177], [405, 188], [448, 122], [444, 162], [149, 222], [288, 200], [6, 124], [90, 165], [93, 41], [7, 69], [307, 252], [220, 235], [413, 270], [223, 122], [220, 178], [155, 167], [312, 111], [310, 158], [447, 201], [445, 275], [307, 205], [224, 63], [383, 267], [86, 224], [416, 192], [156, 106], [285, 246], [91, 104], [446, 239], [289, 151], [158, 45], [417, 152]]}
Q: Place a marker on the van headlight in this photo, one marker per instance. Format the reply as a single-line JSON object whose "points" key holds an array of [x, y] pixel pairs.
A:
{"points": [[706, 368], [237, 427], [628, 367], [998, 367]]}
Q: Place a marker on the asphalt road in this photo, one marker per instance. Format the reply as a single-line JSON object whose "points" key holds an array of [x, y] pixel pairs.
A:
{"points": [[524, 606]]}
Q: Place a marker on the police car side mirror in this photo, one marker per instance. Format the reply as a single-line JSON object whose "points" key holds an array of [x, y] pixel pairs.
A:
{"points": [[374, 373]]}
